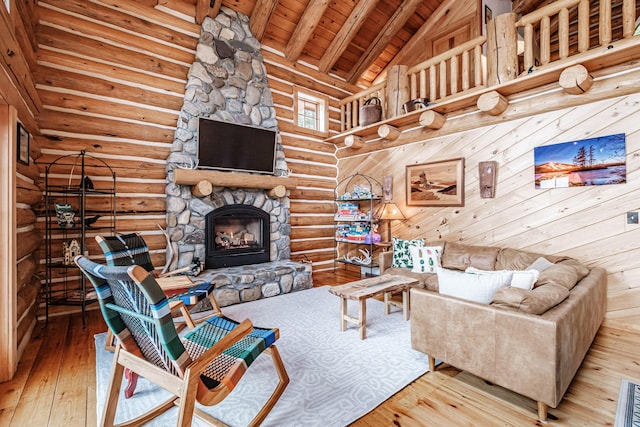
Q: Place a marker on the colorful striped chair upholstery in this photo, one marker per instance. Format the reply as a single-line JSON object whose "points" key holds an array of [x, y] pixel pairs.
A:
{"points": [[126, 249], [131, 249], [204, 366]]}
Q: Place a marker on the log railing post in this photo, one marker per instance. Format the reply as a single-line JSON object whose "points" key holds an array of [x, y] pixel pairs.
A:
{"points": [[397, 90], [502, 51]]}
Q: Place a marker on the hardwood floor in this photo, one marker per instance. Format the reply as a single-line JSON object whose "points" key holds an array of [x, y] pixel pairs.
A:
{"points": [[55, 384]]}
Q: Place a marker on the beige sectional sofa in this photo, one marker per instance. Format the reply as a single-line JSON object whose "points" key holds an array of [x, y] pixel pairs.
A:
{"points": [[529, 341]]}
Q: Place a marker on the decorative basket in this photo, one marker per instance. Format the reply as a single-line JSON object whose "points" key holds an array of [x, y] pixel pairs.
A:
{"points": [[371, 111]]}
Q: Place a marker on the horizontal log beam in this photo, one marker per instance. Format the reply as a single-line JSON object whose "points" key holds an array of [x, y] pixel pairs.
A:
{"points": [[228, 179]]}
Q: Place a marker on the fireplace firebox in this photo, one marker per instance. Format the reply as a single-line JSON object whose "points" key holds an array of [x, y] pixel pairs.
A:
{"points": [[236, 235]]}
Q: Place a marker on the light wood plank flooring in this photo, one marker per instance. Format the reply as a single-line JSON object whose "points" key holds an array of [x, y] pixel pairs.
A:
{"points": [[55, 384]]}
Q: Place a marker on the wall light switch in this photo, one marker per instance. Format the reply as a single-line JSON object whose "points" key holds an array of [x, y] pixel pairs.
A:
{"points": [[632, 217]]}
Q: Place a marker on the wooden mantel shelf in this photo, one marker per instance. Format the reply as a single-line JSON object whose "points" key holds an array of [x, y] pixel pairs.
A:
{"points": [[232, 179]]}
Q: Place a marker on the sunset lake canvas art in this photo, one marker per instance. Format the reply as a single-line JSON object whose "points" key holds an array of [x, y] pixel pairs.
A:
{"points": [[593, 161]]}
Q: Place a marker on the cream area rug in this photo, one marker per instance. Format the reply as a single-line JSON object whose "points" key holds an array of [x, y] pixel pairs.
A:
{"points": [[628, 410], [335, 378]]}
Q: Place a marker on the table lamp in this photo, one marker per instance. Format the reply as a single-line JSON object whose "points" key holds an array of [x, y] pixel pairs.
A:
{"points": [[388, 212]]}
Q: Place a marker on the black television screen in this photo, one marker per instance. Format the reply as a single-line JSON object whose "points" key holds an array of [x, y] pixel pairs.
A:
{"points": [[230, 146]]}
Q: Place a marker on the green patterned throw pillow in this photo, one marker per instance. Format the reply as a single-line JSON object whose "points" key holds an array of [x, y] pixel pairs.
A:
{"points": [[401, 254]]}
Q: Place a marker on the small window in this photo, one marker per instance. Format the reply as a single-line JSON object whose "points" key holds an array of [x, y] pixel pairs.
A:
{"points": [[311, 111]]}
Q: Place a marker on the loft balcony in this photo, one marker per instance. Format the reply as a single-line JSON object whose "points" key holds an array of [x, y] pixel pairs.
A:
{"points": [[561, 43]]}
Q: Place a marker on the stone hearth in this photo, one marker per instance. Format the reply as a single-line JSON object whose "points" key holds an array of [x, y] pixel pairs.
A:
{"points": [[252, 282]]}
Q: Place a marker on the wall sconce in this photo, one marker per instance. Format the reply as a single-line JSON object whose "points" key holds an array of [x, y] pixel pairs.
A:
{"points": [[388, 212], [487, 173]]}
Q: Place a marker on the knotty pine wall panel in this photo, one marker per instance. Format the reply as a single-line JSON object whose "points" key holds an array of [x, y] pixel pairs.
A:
{"points": [[587, 223]]}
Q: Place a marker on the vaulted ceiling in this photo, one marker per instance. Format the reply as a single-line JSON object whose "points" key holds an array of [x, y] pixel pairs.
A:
{"points": [[352, 39]]}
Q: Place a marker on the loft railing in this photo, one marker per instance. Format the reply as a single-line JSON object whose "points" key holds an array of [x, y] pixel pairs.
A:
{"points": [[350, 106], [554, 21], [456, 70], [552, 34]]}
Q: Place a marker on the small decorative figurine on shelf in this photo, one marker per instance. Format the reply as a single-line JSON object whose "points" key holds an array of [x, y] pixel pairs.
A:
{"points": [[65, 215], [361, 191], [70, 250]]}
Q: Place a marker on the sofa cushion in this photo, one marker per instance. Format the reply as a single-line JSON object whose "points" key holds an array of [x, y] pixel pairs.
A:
{"points": [[562, 274], [535, 301], [426, 259], [479, 288], [460, 257], [401, 254], [541, 264]]}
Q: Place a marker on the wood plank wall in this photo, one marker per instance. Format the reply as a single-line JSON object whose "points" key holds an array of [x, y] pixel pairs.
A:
{"points": [[111, 75], [587, 223]]}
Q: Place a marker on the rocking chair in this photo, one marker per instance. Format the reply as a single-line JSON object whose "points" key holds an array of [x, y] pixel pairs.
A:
{"points": [[204, 366]]}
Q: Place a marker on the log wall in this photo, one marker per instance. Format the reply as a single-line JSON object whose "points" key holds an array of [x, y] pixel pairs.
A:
{"points": [[587, 223], [111, 75], [310, 160], [19, 286]]}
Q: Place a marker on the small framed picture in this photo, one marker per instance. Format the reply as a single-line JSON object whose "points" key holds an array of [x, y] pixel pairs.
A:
{"points": [[23, 145], [488, 14], [436, 184]]}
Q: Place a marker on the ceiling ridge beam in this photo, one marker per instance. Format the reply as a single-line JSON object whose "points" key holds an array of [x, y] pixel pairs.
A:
{"points": [[418, 38], [391, 28], [347, 32], [260, 17], [308, 22]]}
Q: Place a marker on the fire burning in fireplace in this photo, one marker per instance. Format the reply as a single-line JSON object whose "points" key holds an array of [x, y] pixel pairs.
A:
{"points": [[236, 235]]}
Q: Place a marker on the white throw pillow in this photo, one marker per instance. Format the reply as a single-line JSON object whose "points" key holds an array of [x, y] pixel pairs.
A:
{"points": [[525, 279], [479, 288], [426, 259]]}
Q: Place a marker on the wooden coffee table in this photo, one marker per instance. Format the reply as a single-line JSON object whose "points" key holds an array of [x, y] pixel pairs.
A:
{"points": [[363, 289]]}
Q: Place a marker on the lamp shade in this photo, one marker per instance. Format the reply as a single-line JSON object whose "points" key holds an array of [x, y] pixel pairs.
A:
{"points": [[389, 211]]}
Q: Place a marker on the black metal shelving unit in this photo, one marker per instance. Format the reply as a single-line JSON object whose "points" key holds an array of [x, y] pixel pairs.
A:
{"points": [[352, 190], [69, 188]]}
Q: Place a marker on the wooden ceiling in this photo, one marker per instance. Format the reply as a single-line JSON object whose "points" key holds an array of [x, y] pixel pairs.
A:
{"points": [[353, 39]]}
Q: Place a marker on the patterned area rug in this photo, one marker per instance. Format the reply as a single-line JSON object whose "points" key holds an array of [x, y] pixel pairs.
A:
{"points": [[628, 411], [335, 377]]}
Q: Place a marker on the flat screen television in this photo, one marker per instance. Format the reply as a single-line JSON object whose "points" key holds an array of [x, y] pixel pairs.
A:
{"points": [[231, 146]]}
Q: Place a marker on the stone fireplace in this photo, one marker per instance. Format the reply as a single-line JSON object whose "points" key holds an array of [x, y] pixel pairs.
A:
{"points": [[228, 82]]}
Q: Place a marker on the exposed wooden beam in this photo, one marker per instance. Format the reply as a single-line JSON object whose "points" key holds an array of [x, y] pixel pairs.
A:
{"points": [[206, 8], [308, 22], [417, 40], [260, 17], [525, 6], [397, 21], [350, 28]]}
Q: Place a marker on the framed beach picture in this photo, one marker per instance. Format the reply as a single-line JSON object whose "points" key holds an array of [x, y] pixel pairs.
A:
{"points": [[592, 161], [436, 184], [23, 144]]}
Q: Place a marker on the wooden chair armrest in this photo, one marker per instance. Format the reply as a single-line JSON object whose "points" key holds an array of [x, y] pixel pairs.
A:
{"points": [[238, 333]]}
